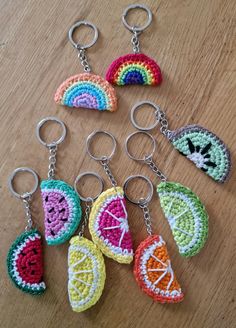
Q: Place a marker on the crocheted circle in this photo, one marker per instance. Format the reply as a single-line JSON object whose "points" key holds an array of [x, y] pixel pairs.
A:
{"points": [[87, 274], [88, 91], [108, 225], [186, 215], [25, 263], [153, 271], [134, 69], [62, 211], [204, 149]]}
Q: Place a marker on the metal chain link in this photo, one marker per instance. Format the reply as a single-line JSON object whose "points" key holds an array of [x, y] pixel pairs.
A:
{"points": [[26, 201], [146, 215], [88, 206], [154, 168], [84, 60], [52, 162], [135, 41], [161, 117], [107, 170]]}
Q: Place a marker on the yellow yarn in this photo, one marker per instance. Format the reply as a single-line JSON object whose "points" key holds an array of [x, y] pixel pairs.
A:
{"points": [[97, 206], [86, 269]]}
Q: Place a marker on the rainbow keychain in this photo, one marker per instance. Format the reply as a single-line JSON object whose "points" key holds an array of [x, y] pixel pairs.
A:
{"points": [[25, 258], [86, 90], [86, 267], [136, 68], [108, 221], [182, 208], [152, 266], [208, 152], [61, 204]]}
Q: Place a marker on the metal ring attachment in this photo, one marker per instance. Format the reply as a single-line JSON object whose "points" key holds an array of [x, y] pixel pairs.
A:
{"points": [[11, 179], [137, 28], [141, 201], [75, 26], [53, 119], [137, 107], [145, 156], [93, 174], [88, 143]]}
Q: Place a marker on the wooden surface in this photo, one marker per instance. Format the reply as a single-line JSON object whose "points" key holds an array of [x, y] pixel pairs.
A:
{"points": [[194, 43]]}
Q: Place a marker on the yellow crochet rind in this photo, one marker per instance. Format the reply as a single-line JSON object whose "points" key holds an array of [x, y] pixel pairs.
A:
{"points": [[86, 292], [125, 259]]}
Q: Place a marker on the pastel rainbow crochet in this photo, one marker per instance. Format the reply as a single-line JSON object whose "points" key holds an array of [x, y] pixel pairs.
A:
{"points": [[134, 69], [88, 91]]}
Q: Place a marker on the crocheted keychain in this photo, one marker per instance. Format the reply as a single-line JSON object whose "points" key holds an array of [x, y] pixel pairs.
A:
{"points": [[25, 258], [199, 145], [182, 208], [86, 267], [61, 204], [135, 68], [108, 221], [86, 90], [152, 265]]}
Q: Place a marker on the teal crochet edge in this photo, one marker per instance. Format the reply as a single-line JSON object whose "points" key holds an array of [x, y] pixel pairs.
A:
{"points": [[9, 262], [75, 214], [186, 215]]}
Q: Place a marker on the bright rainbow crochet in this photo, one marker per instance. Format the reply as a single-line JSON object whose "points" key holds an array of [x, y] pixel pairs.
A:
{"points": [[134, 69], [88, 91]]}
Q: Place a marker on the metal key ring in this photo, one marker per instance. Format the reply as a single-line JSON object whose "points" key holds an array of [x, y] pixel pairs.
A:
{"points": [[145, 156], [136, 107], [88, 143], [53, 119], [136, 28], [75, 26], [141, 201], [11, 179], [101, 182]]}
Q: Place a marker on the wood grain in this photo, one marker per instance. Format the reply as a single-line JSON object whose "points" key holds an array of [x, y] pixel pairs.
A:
{"points": [[194, 43]]}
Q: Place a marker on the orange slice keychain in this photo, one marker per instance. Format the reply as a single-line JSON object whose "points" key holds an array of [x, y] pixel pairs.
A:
{"points": [[152, 266]]}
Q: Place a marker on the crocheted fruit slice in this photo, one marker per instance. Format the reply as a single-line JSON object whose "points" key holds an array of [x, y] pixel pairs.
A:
{"points": [[186, 215], [204, 149], [62, 211], [134, 69], [153, 271], [108, 225], [25, 263], [88, 91], [86, 273]]}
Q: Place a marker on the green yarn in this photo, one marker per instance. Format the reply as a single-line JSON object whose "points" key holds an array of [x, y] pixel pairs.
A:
{"points": [[34, 289], [186, 215]]}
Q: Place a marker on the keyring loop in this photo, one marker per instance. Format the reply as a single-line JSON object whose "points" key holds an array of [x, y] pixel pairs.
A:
{"points": [[146, 156], [80, 176], [88, 143], [53, 119], [137, 107], [12, 176], [75, 26], [136, 28], [141, 201]]}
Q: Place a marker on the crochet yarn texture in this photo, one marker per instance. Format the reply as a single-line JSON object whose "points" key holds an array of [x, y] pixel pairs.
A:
{"points": [[204, 149], [25, 263], [134, 69], [88, 91], [86, 273], [62, 211], [186, 215], [153, 271], [108, 225]]}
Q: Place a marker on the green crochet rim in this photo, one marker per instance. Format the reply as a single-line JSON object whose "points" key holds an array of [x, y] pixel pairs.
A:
{"points": [[61, 186], [10, 268], [186, 215]]}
